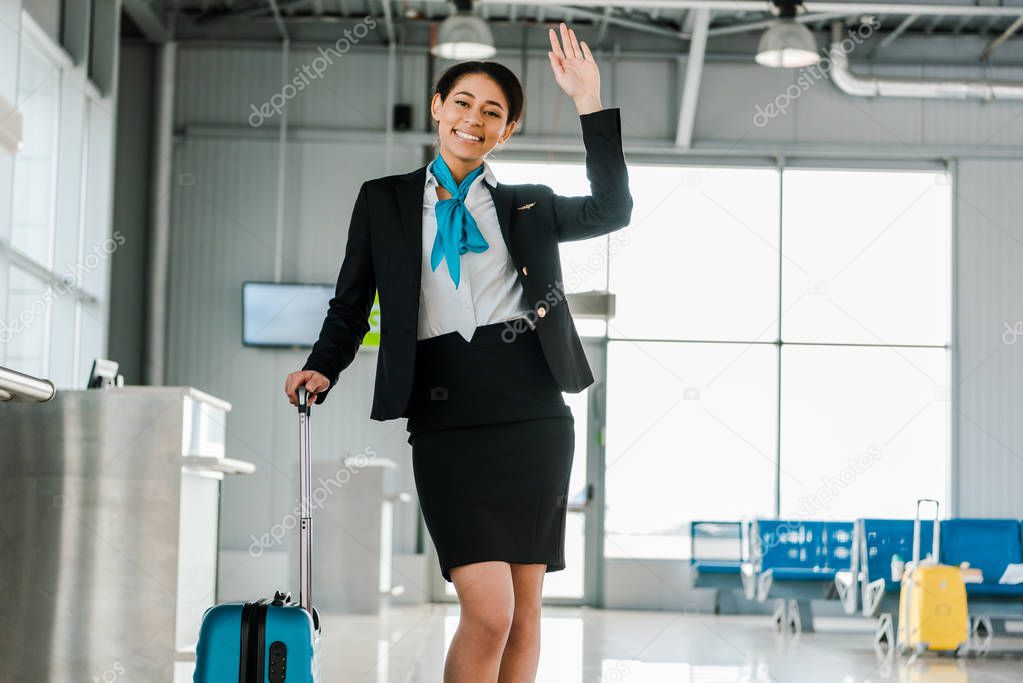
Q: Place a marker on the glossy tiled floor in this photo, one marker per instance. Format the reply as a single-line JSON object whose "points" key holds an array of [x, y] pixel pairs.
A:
{"points": [[407, 644]]}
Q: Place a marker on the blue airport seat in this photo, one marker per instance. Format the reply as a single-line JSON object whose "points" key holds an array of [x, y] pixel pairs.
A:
{"points": [[804, 551], [880, 540], [987, 544], [797, 561], [885, 538], [717, 552], [718, 566], [717, 547], [800, 574], [994, 589]]}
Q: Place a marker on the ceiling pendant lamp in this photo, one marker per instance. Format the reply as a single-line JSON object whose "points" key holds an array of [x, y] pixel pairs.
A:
{"points": [[463, 35], [787, 43]]}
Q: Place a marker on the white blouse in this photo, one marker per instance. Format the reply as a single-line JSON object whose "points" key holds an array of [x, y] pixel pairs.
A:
{"points": [[488, 290]]}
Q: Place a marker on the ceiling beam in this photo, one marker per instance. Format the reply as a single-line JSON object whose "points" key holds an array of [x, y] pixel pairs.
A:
{"points": [[148, 21], [962, 9], [899, 30], [997, 42], [602, 31], [278, 20], [388, 21], [757, 25], [618, 21], [694, 71]]}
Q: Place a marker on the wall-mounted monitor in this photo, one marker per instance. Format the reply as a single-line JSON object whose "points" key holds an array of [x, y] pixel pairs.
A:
{"points": [[290, 314], [277, 314]]}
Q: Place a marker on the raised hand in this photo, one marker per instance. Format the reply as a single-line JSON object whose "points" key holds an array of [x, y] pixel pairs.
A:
{"points": [[575, 70]]}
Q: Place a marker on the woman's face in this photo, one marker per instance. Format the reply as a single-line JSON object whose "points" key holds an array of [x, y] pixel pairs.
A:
{"points": [[472, 120]]}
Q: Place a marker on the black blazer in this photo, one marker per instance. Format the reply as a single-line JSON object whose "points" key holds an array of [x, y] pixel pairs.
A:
{"points": [[385, 250]]}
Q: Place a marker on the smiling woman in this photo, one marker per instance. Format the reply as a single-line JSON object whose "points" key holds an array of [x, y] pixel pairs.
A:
{"points": [[473, 118], [477, 344]]}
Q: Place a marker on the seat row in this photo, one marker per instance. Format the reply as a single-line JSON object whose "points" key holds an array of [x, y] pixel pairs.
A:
{"points": [[856, 562]]}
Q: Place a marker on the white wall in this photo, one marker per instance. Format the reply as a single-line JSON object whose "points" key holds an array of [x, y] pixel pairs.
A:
{"points": [[990, 251]]}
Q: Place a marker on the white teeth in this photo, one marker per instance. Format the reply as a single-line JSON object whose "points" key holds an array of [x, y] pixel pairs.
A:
{"points": [[467, 136]]}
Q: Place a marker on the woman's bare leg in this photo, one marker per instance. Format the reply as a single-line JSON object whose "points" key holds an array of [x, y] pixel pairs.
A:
{"points": [[487, 600], [522, 652]]}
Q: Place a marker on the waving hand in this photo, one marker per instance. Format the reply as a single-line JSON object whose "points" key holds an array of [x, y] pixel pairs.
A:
{"points": [[575, 70]]}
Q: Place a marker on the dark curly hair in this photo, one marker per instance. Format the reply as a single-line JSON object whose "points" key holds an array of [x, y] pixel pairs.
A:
{"points": [[499, 73]]}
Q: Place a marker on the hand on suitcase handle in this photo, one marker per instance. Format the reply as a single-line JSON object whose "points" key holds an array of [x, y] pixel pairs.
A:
{"points": [[312, 381]]}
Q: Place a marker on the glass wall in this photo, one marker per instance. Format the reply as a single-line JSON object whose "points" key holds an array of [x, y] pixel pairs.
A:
{"points": [[780, 347], [867, 292], [55, 249]]}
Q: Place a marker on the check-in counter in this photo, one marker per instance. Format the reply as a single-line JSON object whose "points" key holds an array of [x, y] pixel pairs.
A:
{"points": [[109, 519]]}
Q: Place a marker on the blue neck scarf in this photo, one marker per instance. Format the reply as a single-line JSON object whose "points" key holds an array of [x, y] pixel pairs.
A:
{"points": [[457, 231]]}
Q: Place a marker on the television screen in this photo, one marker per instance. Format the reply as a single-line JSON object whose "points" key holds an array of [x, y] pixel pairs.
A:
{"points": [[283, 314]]}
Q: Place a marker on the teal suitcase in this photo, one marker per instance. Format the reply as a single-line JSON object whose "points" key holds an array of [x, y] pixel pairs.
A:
{"points": [[269, 640]]}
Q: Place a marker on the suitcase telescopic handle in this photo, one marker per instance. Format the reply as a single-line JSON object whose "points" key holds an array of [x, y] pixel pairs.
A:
{"points": [[935, 542], [305, 538]]}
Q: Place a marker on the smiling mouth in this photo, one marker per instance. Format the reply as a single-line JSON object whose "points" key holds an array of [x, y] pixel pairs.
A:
{"points": [[467, 137]]}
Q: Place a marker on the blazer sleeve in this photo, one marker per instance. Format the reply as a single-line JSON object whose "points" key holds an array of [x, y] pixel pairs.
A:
{"points": [[609, 206], [347, 320]]}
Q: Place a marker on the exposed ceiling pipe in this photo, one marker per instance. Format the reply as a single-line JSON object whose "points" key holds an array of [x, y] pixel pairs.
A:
{"points": [[389, 22], [276, 10], [883, 86], [838, 6], [160, 212], [997, 42], [282, 145]]}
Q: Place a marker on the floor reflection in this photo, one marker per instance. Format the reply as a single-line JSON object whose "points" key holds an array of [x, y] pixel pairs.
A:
{"points": [[679, 672], [583, 645]]}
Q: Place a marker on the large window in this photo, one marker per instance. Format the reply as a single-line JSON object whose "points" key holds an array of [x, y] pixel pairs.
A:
{"points": [[864, 385], [35, 166], [780, 345], [55, 250], [690, 433]]}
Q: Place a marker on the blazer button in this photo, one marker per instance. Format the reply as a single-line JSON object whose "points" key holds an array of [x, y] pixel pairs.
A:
{"points": [[525, 270], [541, 311]]}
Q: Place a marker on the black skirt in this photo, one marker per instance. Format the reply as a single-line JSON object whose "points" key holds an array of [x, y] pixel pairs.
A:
{"points": [[492, 448]]}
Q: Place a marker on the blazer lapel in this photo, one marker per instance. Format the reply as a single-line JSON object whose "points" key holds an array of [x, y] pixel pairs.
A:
{"points": [[410, 206], [502, 195]]}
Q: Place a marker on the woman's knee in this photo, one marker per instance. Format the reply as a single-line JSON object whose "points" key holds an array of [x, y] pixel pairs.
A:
{"points": [[527, 581], [486, 596]]}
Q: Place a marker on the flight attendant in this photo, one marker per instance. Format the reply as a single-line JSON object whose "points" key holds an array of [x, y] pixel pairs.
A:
{"points": [[477, 344]]}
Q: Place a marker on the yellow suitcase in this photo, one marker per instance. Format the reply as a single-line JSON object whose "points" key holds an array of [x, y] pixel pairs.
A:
{"points": [[932, 603]]}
